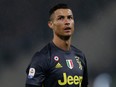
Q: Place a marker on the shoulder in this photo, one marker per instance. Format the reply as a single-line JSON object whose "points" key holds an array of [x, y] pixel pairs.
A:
{"points": [[78, 52], [43, 54], [46, 49], [76, 49], [79, 55], [41, 58]]}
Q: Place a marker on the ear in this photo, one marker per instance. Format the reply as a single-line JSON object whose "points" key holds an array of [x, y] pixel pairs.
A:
{"points": [[50, 24]]}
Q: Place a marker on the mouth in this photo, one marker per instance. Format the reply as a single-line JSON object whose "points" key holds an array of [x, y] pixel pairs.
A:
{"points": [[67, 29]]}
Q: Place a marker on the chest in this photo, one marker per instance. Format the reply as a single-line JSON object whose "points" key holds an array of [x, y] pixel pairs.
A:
{"points": [[66, 65]]}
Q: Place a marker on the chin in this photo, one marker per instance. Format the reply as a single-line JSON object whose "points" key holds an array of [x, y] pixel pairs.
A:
{"points": [[68, 34], [64, 37]]}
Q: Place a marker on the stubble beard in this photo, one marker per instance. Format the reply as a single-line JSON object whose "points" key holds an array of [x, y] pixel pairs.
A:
{"points": [[64, 37]]}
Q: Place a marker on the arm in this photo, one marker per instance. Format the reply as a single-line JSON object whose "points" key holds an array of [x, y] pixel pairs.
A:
{"points": [[85, 75], [36, 71]]}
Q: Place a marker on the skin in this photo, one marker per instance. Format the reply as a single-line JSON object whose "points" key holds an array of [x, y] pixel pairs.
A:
{"points": [[62, 24]]}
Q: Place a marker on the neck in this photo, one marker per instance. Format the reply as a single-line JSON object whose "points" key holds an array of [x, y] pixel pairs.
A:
{"points": [[63, 44]]}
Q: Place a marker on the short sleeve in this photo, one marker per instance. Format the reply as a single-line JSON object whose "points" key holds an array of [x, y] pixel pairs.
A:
{"points": [[85, 74], [36, 71]]}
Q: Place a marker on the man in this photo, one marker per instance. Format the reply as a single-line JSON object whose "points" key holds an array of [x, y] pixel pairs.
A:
{"points": [[58, 64]]}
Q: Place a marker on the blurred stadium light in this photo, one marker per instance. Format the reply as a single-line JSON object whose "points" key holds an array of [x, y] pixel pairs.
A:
{"points": [[102, 80]]}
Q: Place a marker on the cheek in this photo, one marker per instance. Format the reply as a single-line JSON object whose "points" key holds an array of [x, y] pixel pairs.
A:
{"points": [[72, 25], [58, 25], [72, 22]]}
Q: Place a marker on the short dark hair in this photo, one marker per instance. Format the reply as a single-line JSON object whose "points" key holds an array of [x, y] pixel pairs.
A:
{"points": [[58, 6]]}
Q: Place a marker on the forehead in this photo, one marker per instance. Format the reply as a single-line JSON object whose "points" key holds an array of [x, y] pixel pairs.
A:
{"points": [[63, 12]]}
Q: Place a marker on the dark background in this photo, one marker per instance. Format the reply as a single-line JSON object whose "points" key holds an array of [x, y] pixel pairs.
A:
{"points": [[24, 30]]}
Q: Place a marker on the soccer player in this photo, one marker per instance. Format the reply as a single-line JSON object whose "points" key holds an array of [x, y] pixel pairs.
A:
{"points": [[58, 64]]}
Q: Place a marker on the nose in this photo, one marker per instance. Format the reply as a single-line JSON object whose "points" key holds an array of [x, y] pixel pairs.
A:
{"points": [[67, 22]]}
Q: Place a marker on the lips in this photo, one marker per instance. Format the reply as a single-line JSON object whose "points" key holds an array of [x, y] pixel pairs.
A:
{"points": [[67, 28]]}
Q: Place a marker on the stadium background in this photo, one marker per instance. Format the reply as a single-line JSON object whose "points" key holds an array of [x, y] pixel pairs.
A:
{"points": [[24, 30]]}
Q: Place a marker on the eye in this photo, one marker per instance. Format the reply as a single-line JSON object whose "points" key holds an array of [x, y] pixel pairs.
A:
{"points": [[61, 17], [70, 17]]}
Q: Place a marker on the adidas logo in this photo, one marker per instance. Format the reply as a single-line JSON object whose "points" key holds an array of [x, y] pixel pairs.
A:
{"points": [[58, 65]]}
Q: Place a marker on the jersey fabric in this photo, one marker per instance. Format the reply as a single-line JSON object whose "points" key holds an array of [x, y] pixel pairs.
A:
{"points": [[53, 67]]}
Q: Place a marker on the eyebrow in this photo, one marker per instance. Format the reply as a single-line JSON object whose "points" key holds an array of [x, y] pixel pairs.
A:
{"points": [[63, 15]]}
